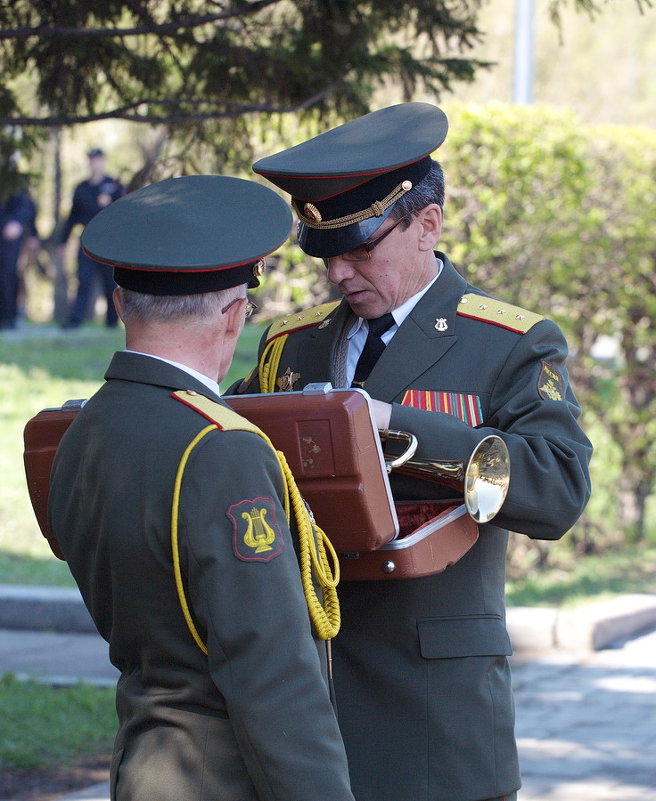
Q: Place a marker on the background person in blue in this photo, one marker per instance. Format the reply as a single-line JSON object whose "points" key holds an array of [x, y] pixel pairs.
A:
{"points": [[17, 229], [421, 668], [91, 196]]}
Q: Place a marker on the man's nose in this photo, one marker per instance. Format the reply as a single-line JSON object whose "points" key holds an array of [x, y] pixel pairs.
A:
{"points": [[338, 269]]}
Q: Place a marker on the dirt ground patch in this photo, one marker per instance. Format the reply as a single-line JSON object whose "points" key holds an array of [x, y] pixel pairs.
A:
{"points": [[51, 783]]}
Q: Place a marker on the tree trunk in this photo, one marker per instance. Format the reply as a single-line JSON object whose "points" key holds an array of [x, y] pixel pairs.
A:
{"points": [[632, 496]]}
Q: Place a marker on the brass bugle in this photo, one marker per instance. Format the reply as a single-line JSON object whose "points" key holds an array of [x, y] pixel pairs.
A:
{"points": [[483, 480]]}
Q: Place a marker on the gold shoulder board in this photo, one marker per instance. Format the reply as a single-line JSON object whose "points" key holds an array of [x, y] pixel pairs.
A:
{"points": [[226, 419], [303, 319], [493, 311]]}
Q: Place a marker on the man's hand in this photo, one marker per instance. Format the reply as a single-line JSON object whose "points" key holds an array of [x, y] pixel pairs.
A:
{"points": [[12, 230]]}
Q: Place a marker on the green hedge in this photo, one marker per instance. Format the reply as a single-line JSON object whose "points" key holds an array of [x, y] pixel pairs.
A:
{"points": [[559, 216]]}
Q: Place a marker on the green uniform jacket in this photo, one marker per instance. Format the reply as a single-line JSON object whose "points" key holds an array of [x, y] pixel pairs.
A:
{"points": [[421, 673], [252, 719]]}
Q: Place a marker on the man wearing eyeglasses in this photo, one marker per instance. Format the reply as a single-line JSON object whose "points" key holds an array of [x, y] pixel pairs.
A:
{"points": [[172, 513], [421, 664]]}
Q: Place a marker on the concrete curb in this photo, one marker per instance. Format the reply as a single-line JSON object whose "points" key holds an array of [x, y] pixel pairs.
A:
{"points": [[531, 628], [44, 609], [595, 626], [591, 627], [97, 792]]}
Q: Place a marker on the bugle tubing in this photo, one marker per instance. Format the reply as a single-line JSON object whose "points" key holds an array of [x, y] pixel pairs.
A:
{"points": [[483, 480]]}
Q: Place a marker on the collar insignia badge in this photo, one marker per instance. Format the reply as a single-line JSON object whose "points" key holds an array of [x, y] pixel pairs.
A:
{"points": [[287, 380]]}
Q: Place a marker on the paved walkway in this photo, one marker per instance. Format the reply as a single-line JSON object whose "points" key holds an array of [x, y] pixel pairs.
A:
{"points": [[586, 723], [586, 726]]}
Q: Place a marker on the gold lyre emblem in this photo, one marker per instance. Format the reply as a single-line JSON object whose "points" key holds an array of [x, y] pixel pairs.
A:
{"points": [[259, 534], [256, 535]]}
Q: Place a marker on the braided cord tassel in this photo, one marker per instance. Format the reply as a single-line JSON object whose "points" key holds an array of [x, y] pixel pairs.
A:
{"points": [[313, 553], [325, 618], [269, 362]]}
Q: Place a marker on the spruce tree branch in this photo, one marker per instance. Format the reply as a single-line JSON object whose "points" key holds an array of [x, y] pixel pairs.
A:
{"points": [[222, 110], [162, 29]]}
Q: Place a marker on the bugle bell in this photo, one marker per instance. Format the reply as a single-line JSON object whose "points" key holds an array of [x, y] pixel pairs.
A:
{"points": [[483, 480]]}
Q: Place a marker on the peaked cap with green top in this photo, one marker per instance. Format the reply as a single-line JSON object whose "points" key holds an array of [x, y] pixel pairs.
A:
{"points": [[189, 235], [345, 181]]}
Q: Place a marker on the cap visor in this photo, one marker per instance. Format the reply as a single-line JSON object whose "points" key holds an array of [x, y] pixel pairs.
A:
{"points": [[330, 242]]}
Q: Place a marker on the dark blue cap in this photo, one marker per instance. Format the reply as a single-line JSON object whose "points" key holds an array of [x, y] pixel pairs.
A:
{"points": [[345, 181], [184, 236]]}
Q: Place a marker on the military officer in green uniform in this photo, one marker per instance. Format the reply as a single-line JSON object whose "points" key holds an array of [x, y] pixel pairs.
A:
{"points": [[421, 665], [172, 512]]}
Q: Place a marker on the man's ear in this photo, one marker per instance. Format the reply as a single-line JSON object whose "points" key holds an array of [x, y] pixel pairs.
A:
{"points": [[235, 318], [116, 295], [430, 219]]}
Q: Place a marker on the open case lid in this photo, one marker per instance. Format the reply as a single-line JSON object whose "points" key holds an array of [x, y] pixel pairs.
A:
{"points": [[333, 448]]}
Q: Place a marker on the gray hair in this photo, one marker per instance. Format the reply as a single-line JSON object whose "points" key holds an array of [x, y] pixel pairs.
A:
{"points": [[142, 307], [429, 190]]}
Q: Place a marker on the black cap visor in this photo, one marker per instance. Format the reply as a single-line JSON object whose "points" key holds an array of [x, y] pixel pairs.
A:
{"points": [[330, 242]]}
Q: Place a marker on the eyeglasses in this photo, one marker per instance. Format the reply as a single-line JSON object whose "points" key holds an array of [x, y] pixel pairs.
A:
{"points": [[248, 309], [363, 252]]}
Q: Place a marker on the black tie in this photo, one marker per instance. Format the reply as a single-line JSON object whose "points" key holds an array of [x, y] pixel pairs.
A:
{"points": [[373, 348]]}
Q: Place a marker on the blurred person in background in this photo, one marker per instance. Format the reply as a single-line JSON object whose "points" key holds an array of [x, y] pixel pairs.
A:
{"points": [[17, 232], [91, 196]]}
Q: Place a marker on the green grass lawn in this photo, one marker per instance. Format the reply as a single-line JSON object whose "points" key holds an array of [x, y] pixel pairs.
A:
{"points": [[83, 717]]}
